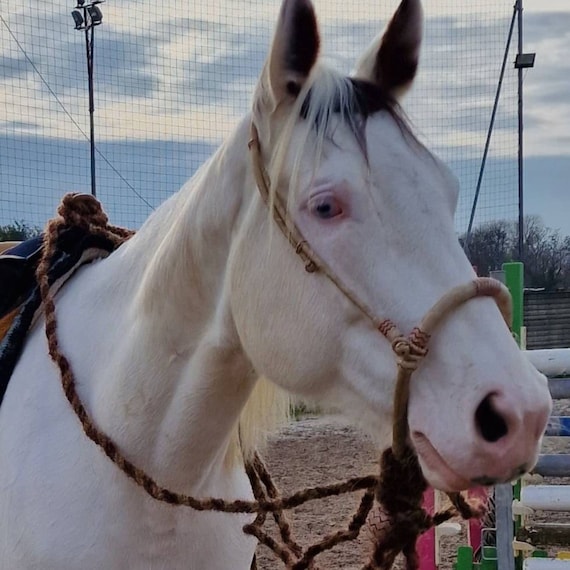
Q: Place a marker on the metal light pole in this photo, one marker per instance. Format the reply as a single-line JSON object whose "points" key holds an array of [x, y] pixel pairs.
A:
{"points": [[523, 61], [88, 15]]}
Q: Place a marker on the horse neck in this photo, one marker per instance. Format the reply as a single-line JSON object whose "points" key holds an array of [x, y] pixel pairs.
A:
{"points": [[180, 374], [186, 242]]}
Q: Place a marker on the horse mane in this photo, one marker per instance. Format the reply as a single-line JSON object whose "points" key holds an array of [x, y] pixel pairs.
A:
{"points": [[327, 98], [267, 409]]}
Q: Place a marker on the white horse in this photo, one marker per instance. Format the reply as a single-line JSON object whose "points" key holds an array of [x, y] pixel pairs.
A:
{"points": [[170, 335]]}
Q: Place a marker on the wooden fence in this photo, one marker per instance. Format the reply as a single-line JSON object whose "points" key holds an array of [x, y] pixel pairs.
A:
{"points": [[547, 319]]}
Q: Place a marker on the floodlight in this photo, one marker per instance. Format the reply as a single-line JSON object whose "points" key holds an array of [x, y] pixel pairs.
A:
{"points": [[525, 60], [78, 19], [96, 15]]}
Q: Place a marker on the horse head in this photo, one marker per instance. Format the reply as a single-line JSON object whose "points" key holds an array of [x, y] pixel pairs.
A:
{"points": [[377, 207]]}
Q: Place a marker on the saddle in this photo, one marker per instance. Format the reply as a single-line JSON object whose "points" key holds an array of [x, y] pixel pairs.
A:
{"points": [[20, 299], [17, 276]]}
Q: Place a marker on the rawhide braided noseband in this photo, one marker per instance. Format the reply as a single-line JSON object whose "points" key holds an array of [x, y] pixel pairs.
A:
{"points": [[401, 484]]}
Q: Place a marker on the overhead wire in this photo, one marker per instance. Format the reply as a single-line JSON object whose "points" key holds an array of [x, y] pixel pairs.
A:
{"points": [[70, 116]]}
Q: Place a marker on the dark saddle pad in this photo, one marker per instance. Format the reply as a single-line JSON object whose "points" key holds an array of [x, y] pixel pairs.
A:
{"points": [[19, 292], [17, 273]]}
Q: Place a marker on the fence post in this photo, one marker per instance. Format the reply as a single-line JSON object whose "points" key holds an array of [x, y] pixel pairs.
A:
{"points": [[514, 280], [504, 494]]}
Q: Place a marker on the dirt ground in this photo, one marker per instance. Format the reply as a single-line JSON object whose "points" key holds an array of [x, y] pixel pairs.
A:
{"points": [[322, 450]]}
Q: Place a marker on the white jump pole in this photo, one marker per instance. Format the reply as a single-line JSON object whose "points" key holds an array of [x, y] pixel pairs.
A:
{"points": [[546, 564], [546, 497], [551, 362]]}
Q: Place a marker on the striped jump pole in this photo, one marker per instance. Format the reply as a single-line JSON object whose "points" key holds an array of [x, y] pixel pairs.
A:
{"points": [[514, 536], [555, 364], [558, 426], [553, 498], [428, 547], [553, 465], [546, 564], [546, 497]]}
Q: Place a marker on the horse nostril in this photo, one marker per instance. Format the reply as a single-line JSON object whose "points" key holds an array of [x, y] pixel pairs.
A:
{"points": [[491, 425]]}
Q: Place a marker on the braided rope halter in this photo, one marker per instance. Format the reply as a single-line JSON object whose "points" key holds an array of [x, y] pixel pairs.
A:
{"points": [[410, 350], [400, 486]]}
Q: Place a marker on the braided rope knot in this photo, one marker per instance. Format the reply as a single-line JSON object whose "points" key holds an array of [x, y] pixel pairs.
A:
{"points": [[409, 353], [301, 250], [386, 327], [82, 210], [300, 247]]}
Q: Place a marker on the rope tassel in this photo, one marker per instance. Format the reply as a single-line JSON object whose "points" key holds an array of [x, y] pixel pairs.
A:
{"points": [[402, 517]]}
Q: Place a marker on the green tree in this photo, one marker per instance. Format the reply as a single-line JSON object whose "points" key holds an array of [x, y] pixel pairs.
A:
{"points": [[18, 231]]}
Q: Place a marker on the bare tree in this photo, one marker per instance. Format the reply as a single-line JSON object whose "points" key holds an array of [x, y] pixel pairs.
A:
{"points": [[490, 246], [546, 252]]}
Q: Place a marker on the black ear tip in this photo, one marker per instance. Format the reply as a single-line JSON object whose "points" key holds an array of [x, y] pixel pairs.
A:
{"points": [[304, 40], [398, 56]]}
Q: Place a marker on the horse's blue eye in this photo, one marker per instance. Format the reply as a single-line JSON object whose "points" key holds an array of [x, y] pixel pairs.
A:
{"points": [[325, 207]]}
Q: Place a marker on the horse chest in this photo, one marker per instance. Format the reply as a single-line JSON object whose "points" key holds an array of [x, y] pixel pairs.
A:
{"points": [[65, 506]]}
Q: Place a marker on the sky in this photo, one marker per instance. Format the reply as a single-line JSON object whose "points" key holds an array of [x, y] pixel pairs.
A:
{"points": [[170, 84]]}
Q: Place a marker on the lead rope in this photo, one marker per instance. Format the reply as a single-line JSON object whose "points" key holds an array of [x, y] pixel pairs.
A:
{"points": [[400, 485]]}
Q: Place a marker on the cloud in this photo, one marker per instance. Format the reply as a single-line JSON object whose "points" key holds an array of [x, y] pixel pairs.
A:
{"points": [[190, 67], [543, 25], [11, 67], [123, 65], [166, 75], [18, 126], [546, 190], [225, 65], [547, 86], [156, 169], [123, 59]]}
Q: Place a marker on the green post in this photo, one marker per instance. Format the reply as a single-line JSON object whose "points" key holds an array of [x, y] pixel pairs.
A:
{"points": [[514, 280], [464, 558], [489, 559]]}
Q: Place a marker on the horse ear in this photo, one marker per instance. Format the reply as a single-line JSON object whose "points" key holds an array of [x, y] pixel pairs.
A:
{"points": [[392, 61], [294, 51]]}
